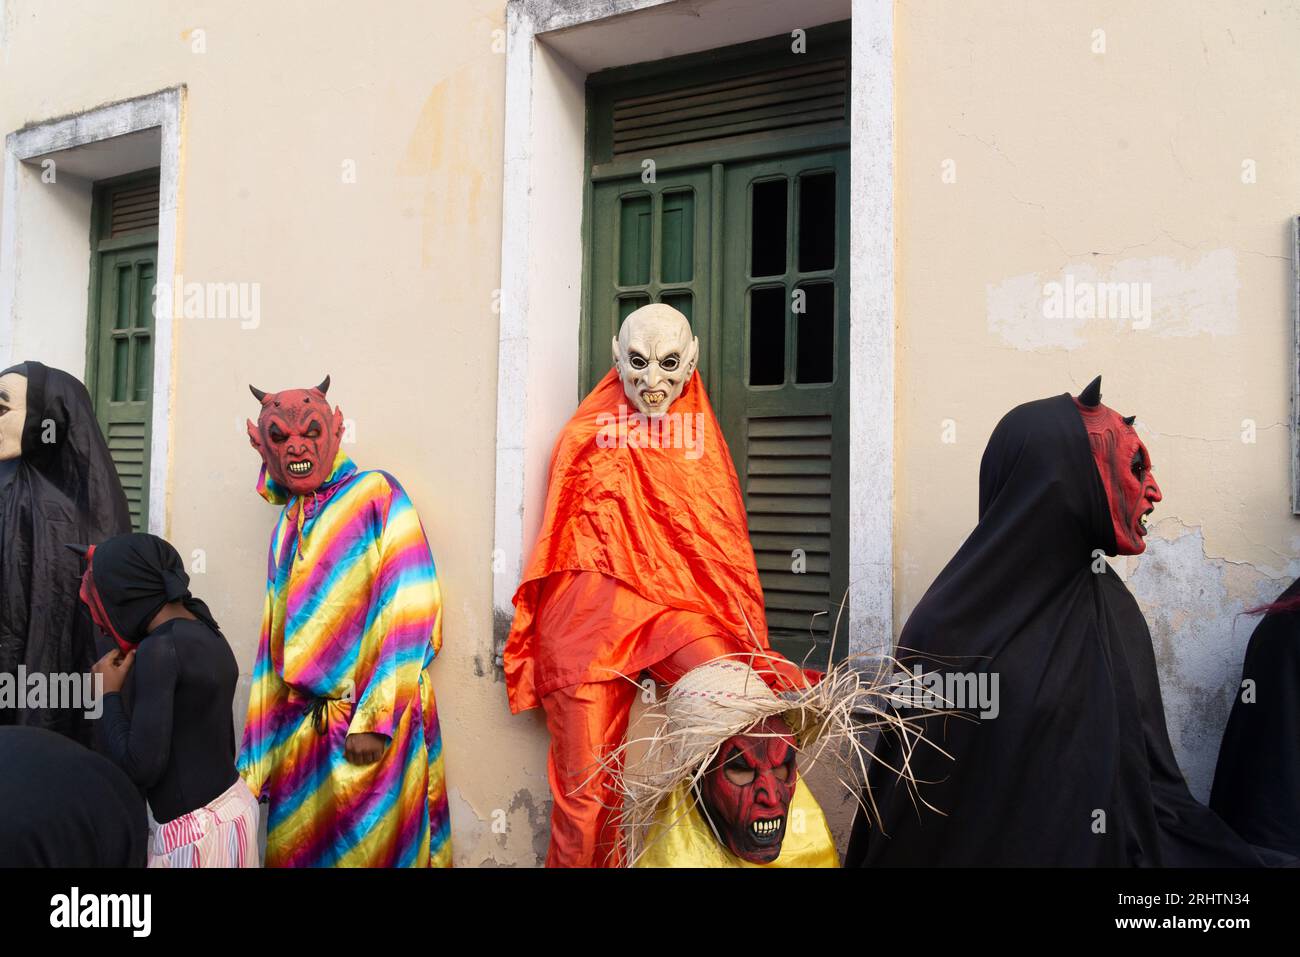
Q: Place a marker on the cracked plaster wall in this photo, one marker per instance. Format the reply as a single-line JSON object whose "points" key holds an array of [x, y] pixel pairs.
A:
{"points": [[1122, 166]]}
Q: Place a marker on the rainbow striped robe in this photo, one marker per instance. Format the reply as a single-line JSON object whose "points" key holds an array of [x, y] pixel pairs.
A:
{"points": [[352, 620]]}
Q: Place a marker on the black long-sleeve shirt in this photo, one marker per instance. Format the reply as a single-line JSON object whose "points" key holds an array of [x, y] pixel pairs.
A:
{"points": [[178, 741]]}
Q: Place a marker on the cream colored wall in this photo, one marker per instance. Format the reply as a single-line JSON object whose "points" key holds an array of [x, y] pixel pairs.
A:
{"points": [[1125, 164], [387, 284], [1128, 165]]}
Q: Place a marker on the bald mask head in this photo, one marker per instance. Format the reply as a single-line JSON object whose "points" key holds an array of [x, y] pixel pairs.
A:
{"points": [[13, 413], [655, 355]]}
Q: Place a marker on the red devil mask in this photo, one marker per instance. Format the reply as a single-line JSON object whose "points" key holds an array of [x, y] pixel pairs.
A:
{"points": [[1125, 469], [297, 436], [746, 791], [89, 596]]}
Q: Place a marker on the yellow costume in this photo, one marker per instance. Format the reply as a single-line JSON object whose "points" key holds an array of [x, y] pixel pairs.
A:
{"points": [[689, 842]]}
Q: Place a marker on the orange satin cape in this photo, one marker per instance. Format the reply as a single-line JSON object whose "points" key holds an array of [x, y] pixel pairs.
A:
{"points": [[644, 546]]}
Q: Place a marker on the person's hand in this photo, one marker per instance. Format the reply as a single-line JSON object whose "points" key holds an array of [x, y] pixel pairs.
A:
{"points": [[364, 748], [114, 667]]}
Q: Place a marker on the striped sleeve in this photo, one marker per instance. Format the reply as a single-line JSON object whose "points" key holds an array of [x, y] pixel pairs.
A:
{"points": [[405, 626]]}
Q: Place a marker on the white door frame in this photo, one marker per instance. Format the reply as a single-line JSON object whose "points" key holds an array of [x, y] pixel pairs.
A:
{"points": [[24, 152], [550, 45]]}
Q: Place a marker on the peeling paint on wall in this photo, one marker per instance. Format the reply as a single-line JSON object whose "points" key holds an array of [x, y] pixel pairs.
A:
{"points": [[1159, 295], [503, 836], [1195, 605], [538, 818], [445, 155]]}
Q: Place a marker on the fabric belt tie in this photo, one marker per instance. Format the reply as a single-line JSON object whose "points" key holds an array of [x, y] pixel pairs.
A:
{"points": [[317, 708]]}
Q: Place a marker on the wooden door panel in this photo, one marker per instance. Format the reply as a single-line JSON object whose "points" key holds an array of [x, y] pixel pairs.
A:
{"points": [[649, 243], [784, 392]]}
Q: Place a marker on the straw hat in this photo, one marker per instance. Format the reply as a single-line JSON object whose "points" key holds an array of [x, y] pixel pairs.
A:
{"points": [[729, 696], [714, 701]]}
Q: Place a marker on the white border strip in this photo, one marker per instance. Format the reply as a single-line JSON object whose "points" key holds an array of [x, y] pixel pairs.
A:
{"points": [[871, 331], [1295, 366], [871, 285], [525, 21], [512, 345]]}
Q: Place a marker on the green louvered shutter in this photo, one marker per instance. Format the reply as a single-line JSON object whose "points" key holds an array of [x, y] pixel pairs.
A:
{"points": [[719, 183], [785, 384], [651, 243], [121, 328]]}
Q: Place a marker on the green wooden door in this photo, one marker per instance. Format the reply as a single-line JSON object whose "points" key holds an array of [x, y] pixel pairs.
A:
{"points": [[121, 329], [745, 229], [784, 388], [649, 243]]}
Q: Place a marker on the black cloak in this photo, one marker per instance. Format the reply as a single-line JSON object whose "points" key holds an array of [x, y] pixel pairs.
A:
{"points": [[1257, 781], [60, 491], [62, 805], [1076, 769]]}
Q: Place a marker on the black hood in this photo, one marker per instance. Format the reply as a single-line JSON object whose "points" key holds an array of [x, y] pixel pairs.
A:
{"points": [[64, 489], [62, 440], [134, 576], [1076, 767], [1042, 515]]}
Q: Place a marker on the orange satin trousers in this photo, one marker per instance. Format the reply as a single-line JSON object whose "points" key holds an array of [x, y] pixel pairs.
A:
{"points": [[586, 722]]}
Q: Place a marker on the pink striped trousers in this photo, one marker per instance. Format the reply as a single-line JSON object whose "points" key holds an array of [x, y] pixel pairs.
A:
{"points": [[222, 833]]}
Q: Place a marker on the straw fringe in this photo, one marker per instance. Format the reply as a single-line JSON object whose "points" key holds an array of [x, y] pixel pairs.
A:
{"points": [[728, 696]]}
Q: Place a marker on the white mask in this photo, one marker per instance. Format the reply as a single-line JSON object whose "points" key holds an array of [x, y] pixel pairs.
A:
{"points": [[13, 413], [655, 355]]}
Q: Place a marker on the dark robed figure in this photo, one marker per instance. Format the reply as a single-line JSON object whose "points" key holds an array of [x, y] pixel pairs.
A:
{"points": [[64, 806], [57, 486], [1076, 769], [176, 738], [1257, 781]]}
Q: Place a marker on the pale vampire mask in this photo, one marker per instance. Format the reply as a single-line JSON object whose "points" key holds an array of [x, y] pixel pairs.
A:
{"points": [[13, 413], [655, 355]]}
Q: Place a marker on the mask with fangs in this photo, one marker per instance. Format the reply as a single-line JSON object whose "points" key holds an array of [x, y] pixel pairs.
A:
{"points": [[655, 353], [1124, 466], [297, 436], [747, 790]]}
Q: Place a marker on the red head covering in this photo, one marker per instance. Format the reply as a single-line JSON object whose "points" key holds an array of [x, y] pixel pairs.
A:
{"points": [[90, 597], [128, 580]]}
